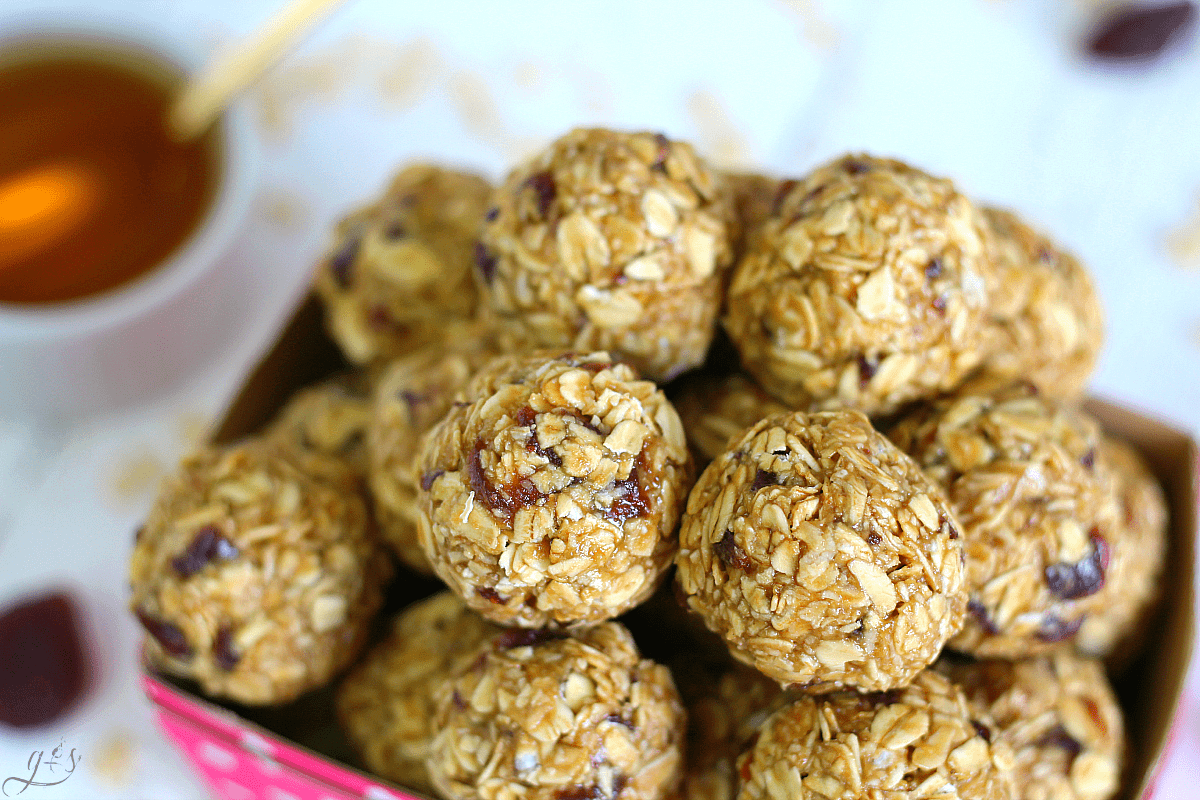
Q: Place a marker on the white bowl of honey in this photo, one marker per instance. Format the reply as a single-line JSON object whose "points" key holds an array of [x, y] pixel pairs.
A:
{"points": [[112, 234]]}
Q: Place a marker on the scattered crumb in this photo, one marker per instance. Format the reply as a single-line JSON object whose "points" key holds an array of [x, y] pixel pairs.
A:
{"points": [[135, 476], [815, 29], [595, 90], [406, 76], [283, 209], [528, 75], [477, 108], [113, 760], [303, 80], [193, 427], [1183, 243], [716, 135]]}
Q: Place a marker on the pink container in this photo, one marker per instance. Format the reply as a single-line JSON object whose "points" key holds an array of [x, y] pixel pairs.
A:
{"points": [[240, 760]]}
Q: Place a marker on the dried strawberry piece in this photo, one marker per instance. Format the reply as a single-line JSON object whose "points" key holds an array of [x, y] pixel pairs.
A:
{"points": [[43, 666], [1139, 33], [207, 545]]}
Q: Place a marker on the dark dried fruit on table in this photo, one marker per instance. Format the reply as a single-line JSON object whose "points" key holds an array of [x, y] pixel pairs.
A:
{"points": [[43, 664]]}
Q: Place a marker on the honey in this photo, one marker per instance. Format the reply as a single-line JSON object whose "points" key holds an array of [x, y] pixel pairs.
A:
{"points": [[94, 192]]}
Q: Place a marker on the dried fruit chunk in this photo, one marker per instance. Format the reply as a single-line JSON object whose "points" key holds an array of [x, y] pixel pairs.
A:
{"points": [[613, 241], [842, 568], [582, 716], [1139, 33], [1134, 565], [1057, 714], [399, 270], [279, 574], [921, 741], [43, 664], [386, 703], [866, 288], [553, 490], [1030, 480]]}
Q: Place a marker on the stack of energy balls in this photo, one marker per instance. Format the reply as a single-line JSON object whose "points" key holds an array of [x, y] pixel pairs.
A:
{"points": [[901, 550]]}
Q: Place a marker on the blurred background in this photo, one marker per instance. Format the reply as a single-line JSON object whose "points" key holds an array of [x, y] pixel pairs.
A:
{"points": [[1000, 95]]}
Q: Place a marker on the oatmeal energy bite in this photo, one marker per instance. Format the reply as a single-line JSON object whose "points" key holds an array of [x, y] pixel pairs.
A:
{"points": [[329, 419], [919, 742], [1046, 319], [412, 395], [1035, 494], [823, 555], [400, 269], [1057, 714], [1134, 568], [544, 716], [550, 498], [866, 288], [713, 411], [612, 241], [253, 577], [385, 704]]}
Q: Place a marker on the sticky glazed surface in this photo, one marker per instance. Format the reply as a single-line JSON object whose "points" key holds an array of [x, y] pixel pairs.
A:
{"points": [[610, 241], [823, 555], [865, 288], [552, 717], [552, 498], [255, 577]]}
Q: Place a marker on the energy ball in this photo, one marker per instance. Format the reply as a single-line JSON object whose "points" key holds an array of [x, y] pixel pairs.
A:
{"points": [[725, 708], [919, 742], [610, 241], [400, 269], [330, 420], [1046, 323], [550, 497], [543, 716], [254, 577], [1135, 562], [412, 395], [385, 704], [714, 411], [1028, 482], [865, 289], [1059, 717], [823, 555]]}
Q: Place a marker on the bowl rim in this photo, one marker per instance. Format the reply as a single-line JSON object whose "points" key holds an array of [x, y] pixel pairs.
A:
{"points": [[203, 248]]}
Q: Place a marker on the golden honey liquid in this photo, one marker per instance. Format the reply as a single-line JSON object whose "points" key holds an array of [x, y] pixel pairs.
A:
{"points": [[93, 191]]}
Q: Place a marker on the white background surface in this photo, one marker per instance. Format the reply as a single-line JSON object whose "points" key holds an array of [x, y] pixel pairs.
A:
{"points": [[989, 92]]}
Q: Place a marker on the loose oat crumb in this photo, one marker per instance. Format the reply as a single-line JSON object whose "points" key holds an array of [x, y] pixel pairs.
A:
{"points": [[135, 475]]}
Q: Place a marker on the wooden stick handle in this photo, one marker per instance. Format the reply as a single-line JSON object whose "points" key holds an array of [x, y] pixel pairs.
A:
{"points": [[202, 101]]}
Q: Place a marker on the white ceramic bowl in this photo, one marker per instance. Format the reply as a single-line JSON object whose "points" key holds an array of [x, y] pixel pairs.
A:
{"points": [[78, 358]]}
